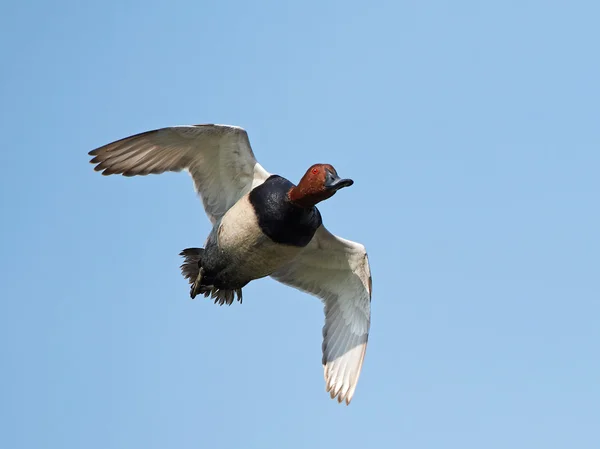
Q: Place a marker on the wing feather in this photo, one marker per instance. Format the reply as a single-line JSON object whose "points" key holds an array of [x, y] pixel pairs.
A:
{"points": [[337, 271], [219, 159]]}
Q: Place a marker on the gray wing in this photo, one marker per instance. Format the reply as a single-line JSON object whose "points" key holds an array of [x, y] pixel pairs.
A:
{"points": [[337, 271], [218, 157]]}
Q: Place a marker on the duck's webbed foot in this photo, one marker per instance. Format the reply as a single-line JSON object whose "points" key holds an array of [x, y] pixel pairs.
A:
{"points": [[197, 287]]}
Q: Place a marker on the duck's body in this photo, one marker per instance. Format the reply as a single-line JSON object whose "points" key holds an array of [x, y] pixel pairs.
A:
{"points": [[263, 225], [259, 234]]}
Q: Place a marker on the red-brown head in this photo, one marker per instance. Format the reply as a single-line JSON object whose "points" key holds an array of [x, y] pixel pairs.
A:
{"points": [[320, 182]]}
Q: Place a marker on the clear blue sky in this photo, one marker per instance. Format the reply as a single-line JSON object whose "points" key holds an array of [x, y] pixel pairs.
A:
{"points": [[472, 131]]}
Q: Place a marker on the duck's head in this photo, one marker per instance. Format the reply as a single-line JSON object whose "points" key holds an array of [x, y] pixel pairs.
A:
{"points": [[320, 182]]}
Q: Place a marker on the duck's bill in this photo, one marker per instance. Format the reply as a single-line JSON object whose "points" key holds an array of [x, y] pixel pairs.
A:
{"points": [[335, 183]]}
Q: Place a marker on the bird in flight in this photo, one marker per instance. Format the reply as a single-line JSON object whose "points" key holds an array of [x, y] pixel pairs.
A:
{"points": [[262, 225]]}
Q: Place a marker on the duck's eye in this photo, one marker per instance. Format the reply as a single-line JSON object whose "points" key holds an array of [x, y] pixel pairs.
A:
{"points": [[315, 171]]}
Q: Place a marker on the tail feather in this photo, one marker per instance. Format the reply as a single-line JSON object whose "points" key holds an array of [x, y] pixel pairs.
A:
{"points": [[222, 296], [190, 269], [191, 264]]}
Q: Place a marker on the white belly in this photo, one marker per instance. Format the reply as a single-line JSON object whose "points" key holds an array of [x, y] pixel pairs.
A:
{"points": [[254, 254]]}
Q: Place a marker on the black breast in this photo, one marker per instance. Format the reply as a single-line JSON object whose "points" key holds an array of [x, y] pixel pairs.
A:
{"points": [[282, 221]]}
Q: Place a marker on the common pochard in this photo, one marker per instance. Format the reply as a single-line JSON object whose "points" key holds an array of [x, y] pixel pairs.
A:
{"points": [[263, 225]]}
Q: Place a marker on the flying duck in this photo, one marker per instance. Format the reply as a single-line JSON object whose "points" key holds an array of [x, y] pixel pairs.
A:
{"points": [[263, 225]]}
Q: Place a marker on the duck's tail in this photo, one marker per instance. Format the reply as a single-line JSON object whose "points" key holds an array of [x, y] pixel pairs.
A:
{"points": [[191, 263], [191, 269]]}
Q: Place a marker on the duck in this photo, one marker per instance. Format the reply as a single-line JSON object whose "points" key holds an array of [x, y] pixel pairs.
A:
{"points": [[263, 225]]}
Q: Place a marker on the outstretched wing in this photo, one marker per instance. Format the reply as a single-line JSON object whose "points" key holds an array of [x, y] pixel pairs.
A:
{"points": [[337, 271], [218, 157]]}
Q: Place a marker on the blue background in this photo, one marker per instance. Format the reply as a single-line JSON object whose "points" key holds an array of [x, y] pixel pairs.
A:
{"points": [[472, 132]]}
